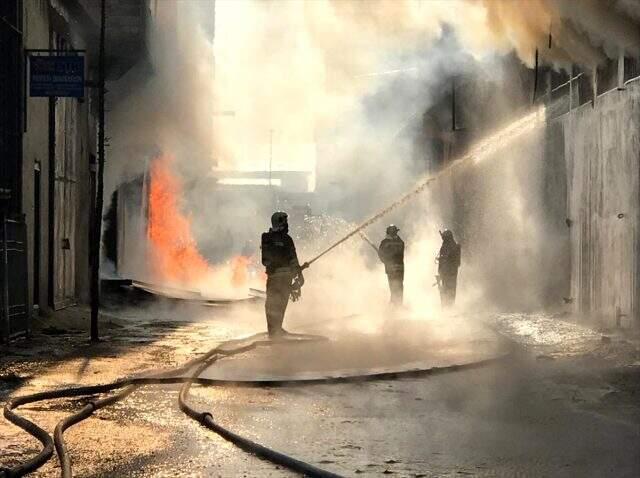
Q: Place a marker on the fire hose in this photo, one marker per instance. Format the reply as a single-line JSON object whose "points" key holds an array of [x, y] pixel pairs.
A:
{"points": [[486, 146], [502, 136], [405, 198], [44, 438], [129, 385]]}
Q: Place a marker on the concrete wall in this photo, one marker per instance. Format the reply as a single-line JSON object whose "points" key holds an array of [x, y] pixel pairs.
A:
{"points": [[602, 149], [557, 215]]}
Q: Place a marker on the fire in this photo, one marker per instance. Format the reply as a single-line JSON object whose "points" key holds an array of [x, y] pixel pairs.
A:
{"points": [[175, 255], [239, 265]]}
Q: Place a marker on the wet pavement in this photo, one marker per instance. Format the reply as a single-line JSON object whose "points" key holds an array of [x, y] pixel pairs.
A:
{"points": [[558, 406]]}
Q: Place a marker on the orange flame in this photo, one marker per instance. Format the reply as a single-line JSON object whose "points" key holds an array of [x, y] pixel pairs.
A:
{"points": [[176, 258], [239, 265]]}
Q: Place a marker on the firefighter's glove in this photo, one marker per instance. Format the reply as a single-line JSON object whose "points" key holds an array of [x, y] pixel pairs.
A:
{"points": [[296, 289]]}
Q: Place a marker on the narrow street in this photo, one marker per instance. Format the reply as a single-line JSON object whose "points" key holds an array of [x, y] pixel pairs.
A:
{"points": [[536, 413], [320, 238]]}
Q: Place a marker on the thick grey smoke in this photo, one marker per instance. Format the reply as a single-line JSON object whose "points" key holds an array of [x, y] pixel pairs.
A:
{"points": [[581, 31], [338, 89], [167, 105], [297, 68]]}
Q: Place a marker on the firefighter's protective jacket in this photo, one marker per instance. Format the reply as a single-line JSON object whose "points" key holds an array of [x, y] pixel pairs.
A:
{"points": [[449, 258], [279, 253], [391, 253]]}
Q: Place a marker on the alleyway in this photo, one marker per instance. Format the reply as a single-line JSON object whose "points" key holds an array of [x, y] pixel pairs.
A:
{"points": [[561, 405], [325, 237]]}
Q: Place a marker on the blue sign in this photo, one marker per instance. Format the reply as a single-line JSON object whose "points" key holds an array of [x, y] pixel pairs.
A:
{"points": [[56, 76]]}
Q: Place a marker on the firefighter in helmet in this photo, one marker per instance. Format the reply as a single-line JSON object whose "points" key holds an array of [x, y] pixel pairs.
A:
{"points": [[391, 253], [448, 263], [284, 273]]}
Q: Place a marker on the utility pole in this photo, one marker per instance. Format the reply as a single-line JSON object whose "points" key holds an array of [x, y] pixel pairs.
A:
{"points": [[270, 154], [213, 60], [271, 190], [535, 78], [97, 222]]}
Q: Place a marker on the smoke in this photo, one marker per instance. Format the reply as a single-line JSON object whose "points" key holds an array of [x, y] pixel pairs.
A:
{"points": [[283, 73], [166, 105], [566, 31], [338, 88]]}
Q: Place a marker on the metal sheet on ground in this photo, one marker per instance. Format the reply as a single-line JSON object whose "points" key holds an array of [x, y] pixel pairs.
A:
{"points": [[190, 295], [401, 349]]}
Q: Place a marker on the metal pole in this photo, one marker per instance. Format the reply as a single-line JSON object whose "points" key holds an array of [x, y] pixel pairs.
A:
{"points": [[594, 85], [571, 89], [621, 69], [213, 59], [270, 154], [97, 223], [453, 104], [5, 279], [273, 194], [535, 78]]}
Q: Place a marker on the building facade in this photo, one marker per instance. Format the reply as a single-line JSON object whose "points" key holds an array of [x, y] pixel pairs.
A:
{"points": [[48, 150]]}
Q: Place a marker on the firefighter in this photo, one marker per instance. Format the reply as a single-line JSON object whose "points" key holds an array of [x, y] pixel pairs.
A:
{"points": [[284, 274], [448, 263], [391, 253]]}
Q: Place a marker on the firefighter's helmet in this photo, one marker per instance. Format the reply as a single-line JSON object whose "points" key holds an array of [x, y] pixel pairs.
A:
{"points": [[279, 221]]}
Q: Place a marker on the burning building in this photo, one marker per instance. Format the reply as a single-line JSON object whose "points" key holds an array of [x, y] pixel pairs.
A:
{"points": [[201, 237]]}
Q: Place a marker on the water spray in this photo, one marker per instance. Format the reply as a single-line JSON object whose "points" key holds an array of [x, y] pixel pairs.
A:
{"points": [[478, 152]]}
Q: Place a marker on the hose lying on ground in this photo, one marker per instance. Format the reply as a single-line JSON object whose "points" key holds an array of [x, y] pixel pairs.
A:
{"points": [[129, 385], [502, 136], [206, 419], [48, 444], [91, 407], [168, 377]]}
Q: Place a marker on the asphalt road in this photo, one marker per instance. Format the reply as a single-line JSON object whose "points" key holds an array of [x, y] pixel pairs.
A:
{"points": [[502, 420], [525, 416]]}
